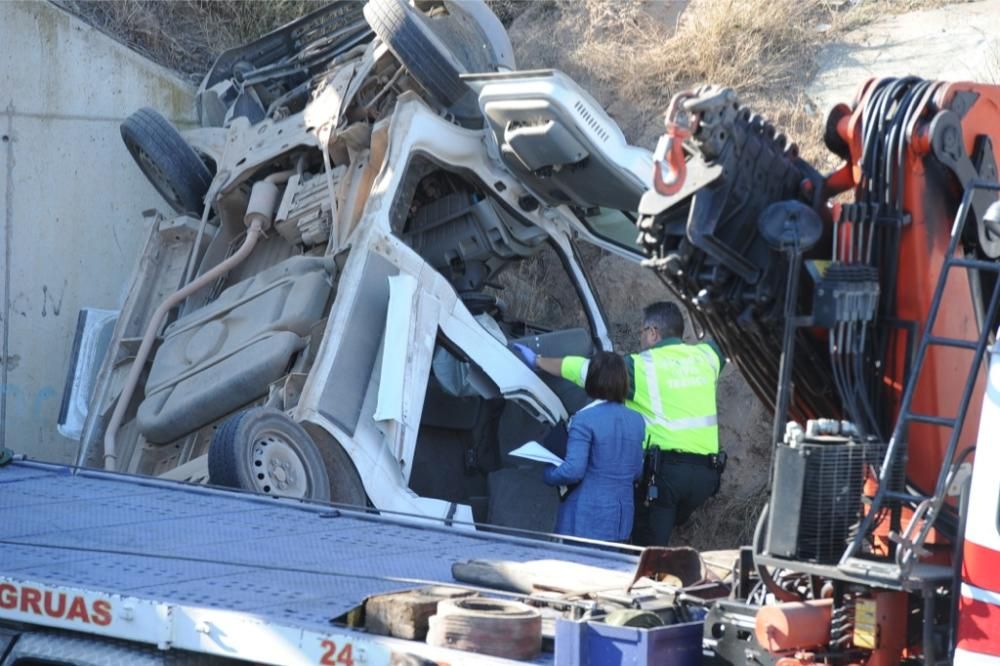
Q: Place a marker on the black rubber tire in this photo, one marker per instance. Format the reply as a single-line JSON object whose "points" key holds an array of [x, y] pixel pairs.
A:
{"points": [[231, 458], [435, 65], [166, 159]]}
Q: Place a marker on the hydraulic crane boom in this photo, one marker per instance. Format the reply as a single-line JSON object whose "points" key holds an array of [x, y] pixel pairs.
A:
{"points": [[859, 306]]}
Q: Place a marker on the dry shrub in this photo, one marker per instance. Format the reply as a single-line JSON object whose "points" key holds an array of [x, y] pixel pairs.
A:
{"points": [[538, 290], [187, 35], [629, 51], [244, 20], [751, 45], [624, 289]]}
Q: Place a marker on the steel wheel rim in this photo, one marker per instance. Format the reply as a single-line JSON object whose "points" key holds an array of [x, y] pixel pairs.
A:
{"points": [[277, 467]]}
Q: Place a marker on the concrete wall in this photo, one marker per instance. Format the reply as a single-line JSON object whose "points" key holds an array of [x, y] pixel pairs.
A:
{"points": [[70, 201]]}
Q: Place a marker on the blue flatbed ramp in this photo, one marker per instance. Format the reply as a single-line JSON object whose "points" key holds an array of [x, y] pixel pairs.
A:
{"points": [[206, 557]]}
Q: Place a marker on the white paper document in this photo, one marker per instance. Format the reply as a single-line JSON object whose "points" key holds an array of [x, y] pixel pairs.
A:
{"points": [[535, 451]]}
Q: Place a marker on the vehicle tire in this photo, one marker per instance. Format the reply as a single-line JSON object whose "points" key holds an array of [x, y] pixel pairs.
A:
{"points": [[419, 43], [166, 159], [487, 626], [263, 450]]}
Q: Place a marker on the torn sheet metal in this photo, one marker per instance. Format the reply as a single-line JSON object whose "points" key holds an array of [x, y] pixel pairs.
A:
{"points": [[399, 321]]}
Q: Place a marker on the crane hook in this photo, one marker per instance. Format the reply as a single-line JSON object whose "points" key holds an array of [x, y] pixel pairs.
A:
{"points": [[669, 166]]}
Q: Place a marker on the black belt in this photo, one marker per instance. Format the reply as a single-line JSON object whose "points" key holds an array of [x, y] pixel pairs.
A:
{"points": [[669, 456]]}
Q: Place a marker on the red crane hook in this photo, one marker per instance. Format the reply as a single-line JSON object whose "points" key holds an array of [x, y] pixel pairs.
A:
{"points": [[669, 166]]}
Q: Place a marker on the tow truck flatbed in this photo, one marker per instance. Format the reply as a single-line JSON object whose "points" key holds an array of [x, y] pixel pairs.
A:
{"points": [[226, 573]]}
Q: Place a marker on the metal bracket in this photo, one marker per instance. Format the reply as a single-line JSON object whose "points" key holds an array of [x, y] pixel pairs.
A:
{"points": [[165, 633], [959, 478], [910, 548], [656, 562], [948, 147]]}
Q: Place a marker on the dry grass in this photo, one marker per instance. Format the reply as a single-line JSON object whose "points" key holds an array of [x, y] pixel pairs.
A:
{"points": [[187, 35], [537, 290], [725, 521], [752, 45], [508, 10], [633, 59]]}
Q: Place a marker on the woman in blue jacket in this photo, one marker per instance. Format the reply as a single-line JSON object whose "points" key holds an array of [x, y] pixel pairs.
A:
{"points": [[603, 455]]}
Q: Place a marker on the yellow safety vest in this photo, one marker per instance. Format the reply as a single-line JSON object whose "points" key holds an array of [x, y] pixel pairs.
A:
{"points": [[674, 392]]}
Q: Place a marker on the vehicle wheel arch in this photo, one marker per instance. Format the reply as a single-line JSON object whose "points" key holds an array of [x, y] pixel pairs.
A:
{"points": [[346, 484]]}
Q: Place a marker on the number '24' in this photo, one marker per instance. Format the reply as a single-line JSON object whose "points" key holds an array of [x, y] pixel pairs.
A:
{"points": [[333, 658]]}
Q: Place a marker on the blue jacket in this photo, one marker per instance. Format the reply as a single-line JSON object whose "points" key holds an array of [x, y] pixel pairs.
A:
{"points": [[603, 454]]}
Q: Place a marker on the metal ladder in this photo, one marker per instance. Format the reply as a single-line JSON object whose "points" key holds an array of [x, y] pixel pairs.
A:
{"points": [[909, 545]]}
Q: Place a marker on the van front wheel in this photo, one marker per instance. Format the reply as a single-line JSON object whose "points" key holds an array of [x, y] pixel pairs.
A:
{"points": [[263, 450]]}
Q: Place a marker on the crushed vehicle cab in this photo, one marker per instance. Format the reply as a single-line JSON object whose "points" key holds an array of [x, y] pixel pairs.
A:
{"points": [[358, 235]]}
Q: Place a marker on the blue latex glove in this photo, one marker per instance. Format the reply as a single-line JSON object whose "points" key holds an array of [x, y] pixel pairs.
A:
{"points": [[526, 354]]}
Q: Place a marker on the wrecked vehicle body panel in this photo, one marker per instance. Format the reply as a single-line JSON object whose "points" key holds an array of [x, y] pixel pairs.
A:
{"points": [[372, 314]]}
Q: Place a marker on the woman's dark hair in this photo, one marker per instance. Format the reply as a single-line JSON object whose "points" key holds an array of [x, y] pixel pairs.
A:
{"points": [[607, 377]]}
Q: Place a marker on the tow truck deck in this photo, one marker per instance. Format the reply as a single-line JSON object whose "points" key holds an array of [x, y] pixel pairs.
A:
{"points": [[226, 573]]}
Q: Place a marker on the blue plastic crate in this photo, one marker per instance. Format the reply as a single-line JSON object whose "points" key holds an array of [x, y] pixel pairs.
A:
{"points": [[599, 644]]}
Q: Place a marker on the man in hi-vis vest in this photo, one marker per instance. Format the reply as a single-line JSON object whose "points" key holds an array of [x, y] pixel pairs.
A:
{"points": [[673, 387]]}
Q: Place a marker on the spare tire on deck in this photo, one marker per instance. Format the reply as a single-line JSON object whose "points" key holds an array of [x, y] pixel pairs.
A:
{"points": [[488, 626]]}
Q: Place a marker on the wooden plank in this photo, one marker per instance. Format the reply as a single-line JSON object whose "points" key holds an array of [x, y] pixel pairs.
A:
{"points": [[528, 577]]}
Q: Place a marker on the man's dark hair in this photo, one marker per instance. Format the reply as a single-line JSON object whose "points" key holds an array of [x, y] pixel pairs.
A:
{"points": [[666, 317], [607, 377]]}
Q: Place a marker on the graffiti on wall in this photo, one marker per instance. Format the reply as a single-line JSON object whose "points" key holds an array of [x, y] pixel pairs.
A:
{"points": [[23, 400]]}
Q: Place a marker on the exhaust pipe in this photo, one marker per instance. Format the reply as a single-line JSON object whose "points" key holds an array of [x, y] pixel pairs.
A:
{"points": [[258, 218]]}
